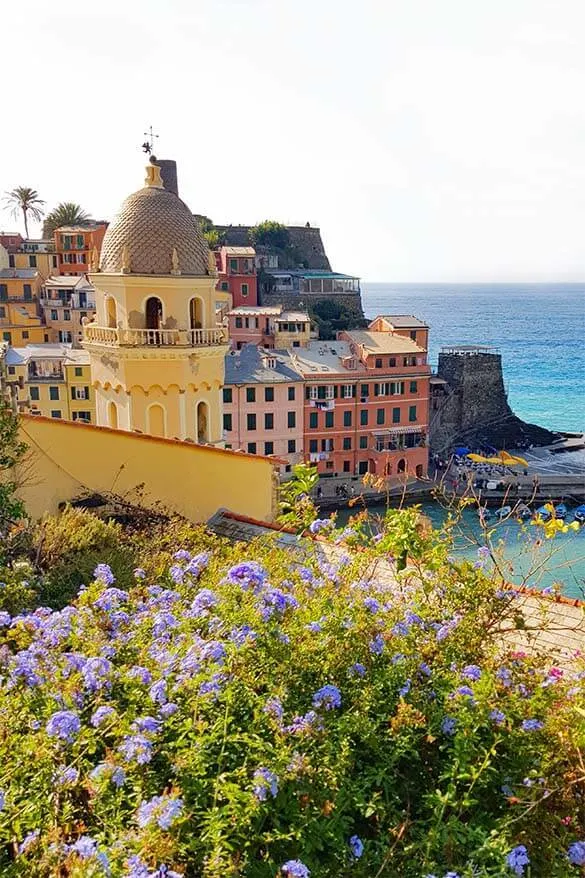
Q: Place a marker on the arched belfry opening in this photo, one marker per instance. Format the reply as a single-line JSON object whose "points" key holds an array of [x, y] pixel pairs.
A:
{"points": [[202, 422], [154, 313], [112, 312], [113, 415], [196, 317]]}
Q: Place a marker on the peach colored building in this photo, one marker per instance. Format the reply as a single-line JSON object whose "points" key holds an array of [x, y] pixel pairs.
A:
{"points": [[77, 247], [66, 301], [366, 404], [263, 404], [270, 327]]}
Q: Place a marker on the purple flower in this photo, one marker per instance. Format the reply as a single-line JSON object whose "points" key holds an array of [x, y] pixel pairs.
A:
{"points": [[357, 846], [498, 717], [372, 605], [247, 574], [240, 636], [274, 600], [274, 708], [136, 748], [214, 651], [358, 669], [103, 573], [168, 709], [182, 555], [504, 676], [63, 724], [295, 869], [531, 725], [425, 669], [404, 689], [576, 853], [163, 622], [447, 627], [158, 692], [147, 724], [377, 645], [471, 672], [66, 774], [328, 697], [139, 573], [2, 800], [306, 723], [265, 782], [101, 714], [110, 599], [28, 841], [315, 627], [213, 686], [197, 564], [518, 859], [85, 847], [162, 810], [5, 619], [103, 769], [139, 673], [320, 524], [449, 725], [203, 601], [464, 691]]}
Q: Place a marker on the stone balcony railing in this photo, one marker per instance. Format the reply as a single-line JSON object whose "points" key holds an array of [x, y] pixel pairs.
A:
{"points": [[186, 338]]}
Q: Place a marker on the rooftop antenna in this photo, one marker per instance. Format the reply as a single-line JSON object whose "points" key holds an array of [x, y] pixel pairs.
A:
{"points": [[148, 144]]}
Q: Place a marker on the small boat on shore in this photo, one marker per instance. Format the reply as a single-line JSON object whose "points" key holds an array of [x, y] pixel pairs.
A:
{"points": [[503, 512], [561, 511], [579, 514], [544, 513], [523, 512]]}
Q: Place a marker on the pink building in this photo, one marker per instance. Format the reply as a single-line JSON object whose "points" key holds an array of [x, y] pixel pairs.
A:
{"points": [[268, 327], [263, 404], [237, 274]]}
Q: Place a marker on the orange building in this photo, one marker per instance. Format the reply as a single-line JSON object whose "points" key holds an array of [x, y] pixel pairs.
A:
{"points": [[20, 319], [237, 274], [78, 246]]}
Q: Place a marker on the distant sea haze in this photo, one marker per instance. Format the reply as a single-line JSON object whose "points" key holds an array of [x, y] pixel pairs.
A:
{"points": [[539, 329]]}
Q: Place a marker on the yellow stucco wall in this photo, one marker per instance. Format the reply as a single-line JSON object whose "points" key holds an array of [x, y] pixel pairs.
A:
{"points": [[67, 460]]}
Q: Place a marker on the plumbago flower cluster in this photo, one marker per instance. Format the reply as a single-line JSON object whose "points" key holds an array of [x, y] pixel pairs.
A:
{"points": [[278, 717]]}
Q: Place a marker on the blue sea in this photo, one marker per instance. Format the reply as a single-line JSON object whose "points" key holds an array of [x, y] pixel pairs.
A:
{"points": [[539, 329]]}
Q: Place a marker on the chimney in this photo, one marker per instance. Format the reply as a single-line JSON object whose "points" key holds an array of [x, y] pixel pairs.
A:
{"points": [[168, 172]]}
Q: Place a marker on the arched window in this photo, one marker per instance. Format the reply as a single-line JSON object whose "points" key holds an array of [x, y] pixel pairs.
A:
{"points": [[154, 313], [196, 315], [113, 415], [111, 312], [419, 470], [402, 465], [156, 420], [202, 422]]}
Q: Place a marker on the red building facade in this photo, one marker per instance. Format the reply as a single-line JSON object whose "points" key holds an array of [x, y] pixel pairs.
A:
{"points": [[237, 274]]}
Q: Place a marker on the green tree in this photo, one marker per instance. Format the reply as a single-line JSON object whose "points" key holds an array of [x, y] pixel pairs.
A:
{"points": [[271, 234], [67, 213], [25, 200], [11, 451]]}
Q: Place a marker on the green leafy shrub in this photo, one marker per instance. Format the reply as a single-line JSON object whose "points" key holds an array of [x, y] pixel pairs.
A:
{"points": [[248, 712], [18, 587], [70, 545]]}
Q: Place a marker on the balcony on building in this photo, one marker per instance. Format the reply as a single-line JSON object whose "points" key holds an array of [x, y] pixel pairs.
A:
{"points": [[398, 439], [313, 282], [45, 370], [172, 338]]}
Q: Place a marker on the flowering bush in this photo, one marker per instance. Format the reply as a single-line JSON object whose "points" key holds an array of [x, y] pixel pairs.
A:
{"points": [[260, 714]]}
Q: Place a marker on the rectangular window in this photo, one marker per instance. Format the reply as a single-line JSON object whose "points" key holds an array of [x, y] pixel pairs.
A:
{"points": [[12, 370], [313, 420], [363, 441], [234, 265], [34, 393], [269, 448], [292, 446], [56, 413], [251, 448], [412, 413], [66, 314], [269, 394], [379, 416], [244, 294], [365, 390], [27, 290], [413, 334], [65, 336], [54, 315], [224, 286], [364, 417], [347, 419], [291, 393], [326, 444], [347, 391], [53, 393], [82, 416], [239, 323], [313, 446], [291, 419], [413, 386], [313, 392], [251, 422], [347, 443], [346, 466], [329, 419], [268, 421], [32, 261], [3, 293], [227, 394], [227, 423], [396, 416], [80, 393], [79, 371], [7, 336], [250, 394], [25, 333], [392, 362], [378, 362], [2, 311]]}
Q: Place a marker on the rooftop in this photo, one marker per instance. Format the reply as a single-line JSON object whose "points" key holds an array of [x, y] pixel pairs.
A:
{"points": [[310, 273], [293, 316], [239, 251], [67, 282], [403, 321], [248, 366], [255, 310], [323, 357], [384, 343], [21, 356], [19, 273], [89, 227]]}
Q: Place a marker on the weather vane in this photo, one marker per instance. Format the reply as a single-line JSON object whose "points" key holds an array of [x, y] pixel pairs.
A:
{"points": [[148, 144]]}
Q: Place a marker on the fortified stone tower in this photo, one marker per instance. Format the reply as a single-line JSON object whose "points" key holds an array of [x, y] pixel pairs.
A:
{"points": [[157, 353]]}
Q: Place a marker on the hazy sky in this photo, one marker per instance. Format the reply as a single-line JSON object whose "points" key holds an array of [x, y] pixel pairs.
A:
{"points": [[430, 139]]}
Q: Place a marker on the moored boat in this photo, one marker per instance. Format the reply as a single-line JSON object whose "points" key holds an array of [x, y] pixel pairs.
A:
{"points": [[561, 511], [579, 514], [523, 512], [503, 511], [544, 513]]}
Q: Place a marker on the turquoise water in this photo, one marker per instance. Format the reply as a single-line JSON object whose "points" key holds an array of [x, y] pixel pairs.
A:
{"points": [[525, 557], [539, 328]]}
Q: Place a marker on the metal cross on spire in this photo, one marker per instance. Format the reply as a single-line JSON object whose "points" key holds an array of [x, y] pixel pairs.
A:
{"points": [[148, 144]]}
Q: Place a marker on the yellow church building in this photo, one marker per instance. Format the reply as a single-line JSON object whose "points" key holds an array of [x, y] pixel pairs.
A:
{"points": [[156, 350]]}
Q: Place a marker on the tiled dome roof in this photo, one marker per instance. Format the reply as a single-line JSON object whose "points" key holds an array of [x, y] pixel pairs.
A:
{"points": [[151, 224]]}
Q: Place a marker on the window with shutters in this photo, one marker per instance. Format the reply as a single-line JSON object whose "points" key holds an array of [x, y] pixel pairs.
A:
{"points": [[227, 423], [364, 417], [413, 386], [269, 394], [292, 446], [53, 393], [380, 416], [227, 394], [412, 413], [269, 448], [251, 448], [268, 421], [313, 420], [329, 419], [250, 394], [347, 419], [396, 416], [313, 446], [347, 443], [251, 422], [291, 393], [291, 419]]}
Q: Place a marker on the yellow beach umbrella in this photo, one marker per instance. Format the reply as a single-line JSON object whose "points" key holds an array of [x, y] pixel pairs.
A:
{"points": [[477, 458], [510, 460]]}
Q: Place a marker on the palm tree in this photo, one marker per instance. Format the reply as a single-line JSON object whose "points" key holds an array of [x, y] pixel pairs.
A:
{"points": [[67, 213], [25, 200]]}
